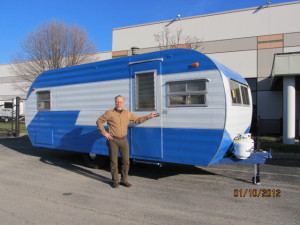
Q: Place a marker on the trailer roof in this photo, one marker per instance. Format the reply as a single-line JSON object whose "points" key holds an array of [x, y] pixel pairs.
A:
{"points": [[173, 61]]}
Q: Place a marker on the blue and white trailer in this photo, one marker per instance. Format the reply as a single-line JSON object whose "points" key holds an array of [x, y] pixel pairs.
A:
{"points": [[203, 107]]}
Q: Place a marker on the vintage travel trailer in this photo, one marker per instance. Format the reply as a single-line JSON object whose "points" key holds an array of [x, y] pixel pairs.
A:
{"points": [[204, 108], [8, 109]]}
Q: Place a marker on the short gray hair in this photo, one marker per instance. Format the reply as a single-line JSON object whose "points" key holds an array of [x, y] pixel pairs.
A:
{"points": [[119, 96]]}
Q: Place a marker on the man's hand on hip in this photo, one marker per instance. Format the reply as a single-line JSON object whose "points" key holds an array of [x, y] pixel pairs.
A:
{"points": [[109, 136]]}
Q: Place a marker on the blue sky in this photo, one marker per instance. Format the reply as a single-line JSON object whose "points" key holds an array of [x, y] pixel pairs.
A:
{"points": [[99, 17]]}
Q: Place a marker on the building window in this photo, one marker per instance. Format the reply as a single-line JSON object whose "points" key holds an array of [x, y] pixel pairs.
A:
{"points": [[144, 91], [43, 100], [239, 93], [187, 93]]}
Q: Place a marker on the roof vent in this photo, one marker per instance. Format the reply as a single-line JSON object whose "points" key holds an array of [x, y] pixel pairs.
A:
{"points": [[135, 50]]}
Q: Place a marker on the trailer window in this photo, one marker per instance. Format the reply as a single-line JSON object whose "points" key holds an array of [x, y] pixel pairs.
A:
{"points": [[8, 105], [187, 93], [43, 100], [245, 95], [239, 93], [144, 91], [235, 92]]}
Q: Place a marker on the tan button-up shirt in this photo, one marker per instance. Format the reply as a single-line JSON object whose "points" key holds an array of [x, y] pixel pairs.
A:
{"points": [[117, 122]]}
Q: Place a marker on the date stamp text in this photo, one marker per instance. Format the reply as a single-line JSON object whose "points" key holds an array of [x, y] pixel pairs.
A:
{"points": [[265, 193]]}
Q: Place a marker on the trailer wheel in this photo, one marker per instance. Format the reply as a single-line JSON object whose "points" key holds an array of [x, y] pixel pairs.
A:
{"points": [[6, 119], [95, 161]]}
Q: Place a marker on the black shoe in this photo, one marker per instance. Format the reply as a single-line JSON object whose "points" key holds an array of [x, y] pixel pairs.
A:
{"points": [[126, 184]]}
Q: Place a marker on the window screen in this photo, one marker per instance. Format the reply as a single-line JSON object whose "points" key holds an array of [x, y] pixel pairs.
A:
{"points": [[187, 93], [43, 100], [144, 91]]}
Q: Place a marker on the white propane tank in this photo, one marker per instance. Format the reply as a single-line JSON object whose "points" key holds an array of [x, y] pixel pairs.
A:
{"points": [[243, 146]]}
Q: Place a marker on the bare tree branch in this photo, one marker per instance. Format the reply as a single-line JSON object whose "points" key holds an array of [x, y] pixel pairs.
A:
{"points": [[166, 39], [52, 45]]}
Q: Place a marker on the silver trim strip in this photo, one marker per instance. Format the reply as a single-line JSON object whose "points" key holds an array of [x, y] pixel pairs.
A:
{"points": [[149, 60]]}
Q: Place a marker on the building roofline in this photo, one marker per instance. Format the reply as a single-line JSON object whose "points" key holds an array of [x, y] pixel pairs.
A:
{"points": [[206, 15]]}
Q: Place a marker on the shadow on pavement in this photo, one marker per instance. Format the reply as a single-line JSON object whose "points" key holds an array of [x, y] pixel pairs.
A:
{"points": [[156, 172], [72, 161]]}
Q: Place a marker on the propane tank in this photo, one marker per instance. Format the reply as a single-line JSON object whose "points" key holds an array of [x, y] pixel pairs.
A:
{"points": [[243, 146]]}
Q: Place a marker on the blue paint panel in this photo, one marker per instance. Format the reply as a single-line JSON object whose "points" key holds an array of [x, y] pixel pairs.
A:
{"points": [[66, 135], [175, 61], [255, 158], [225, 146], [146, 143], [44, 136], [93, 72], [179, 61], [248, 129], [190, 146], [186, 146], [230, 73]]}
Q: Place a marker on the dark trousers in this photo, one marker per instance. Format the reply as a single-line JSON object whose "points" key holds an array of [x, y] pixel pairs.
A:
{"points": [[114, 146]]}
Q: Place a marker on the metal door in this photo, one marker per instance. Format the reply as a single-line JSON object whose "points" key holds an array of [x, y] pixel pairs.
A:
{"points": [[146, 138]]}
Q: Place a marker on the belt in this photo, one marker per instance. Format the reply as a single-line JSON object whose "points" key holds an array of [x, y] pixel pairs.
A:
{"points": [[119, 138]]}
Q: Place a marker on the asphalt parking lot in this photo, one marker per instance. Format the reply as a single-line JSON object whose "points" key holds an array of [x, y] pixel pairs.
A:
{"points": [[43, 186]]}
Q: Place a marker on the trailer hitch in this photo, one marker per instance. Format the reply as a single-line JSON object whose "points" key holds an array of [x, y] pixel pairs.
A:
{"points": [[256, 178]]}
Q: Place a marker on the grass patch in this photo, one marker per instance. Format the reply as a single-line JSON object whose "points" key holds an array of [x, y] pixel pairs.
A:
{"points": [[6, 128], [277, 146]]}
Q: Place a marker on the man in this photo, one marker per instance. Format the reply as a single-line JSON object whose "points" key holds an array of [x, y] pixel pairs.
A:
{"points": [[117, 122]]}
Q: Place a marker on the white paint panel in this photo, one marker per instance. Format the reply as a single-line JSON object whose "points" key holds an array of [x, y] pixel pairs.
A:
{"points": [[93, 99], [31, 108], [238, 118], [90, 96], [211, 116], [243, 62]]}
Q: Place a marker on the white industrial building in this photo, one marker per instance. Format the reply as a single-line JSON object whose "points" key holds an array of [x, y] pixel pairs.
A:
{"points": [[260, 43]]}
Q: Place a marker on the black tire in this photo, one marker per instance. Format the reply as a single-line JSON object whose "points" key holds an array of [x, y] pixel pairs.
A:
{"points": [[95, 161], [6, 119]]}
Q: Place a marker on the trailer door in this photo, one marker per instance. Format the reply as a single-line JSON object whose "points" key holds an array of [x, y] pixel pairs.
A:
{"points": [[145, 95]]}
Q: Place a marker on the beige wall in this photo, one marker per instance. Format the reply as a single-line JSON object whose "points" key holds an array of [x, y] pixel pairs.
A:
{"points": [[243, 62], [276, 19], [7, 80]]}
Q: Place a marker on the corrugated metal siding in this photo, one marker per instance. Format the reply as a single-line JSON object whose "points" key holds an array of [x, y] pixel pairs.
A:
{"points": [[190, 135]]}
